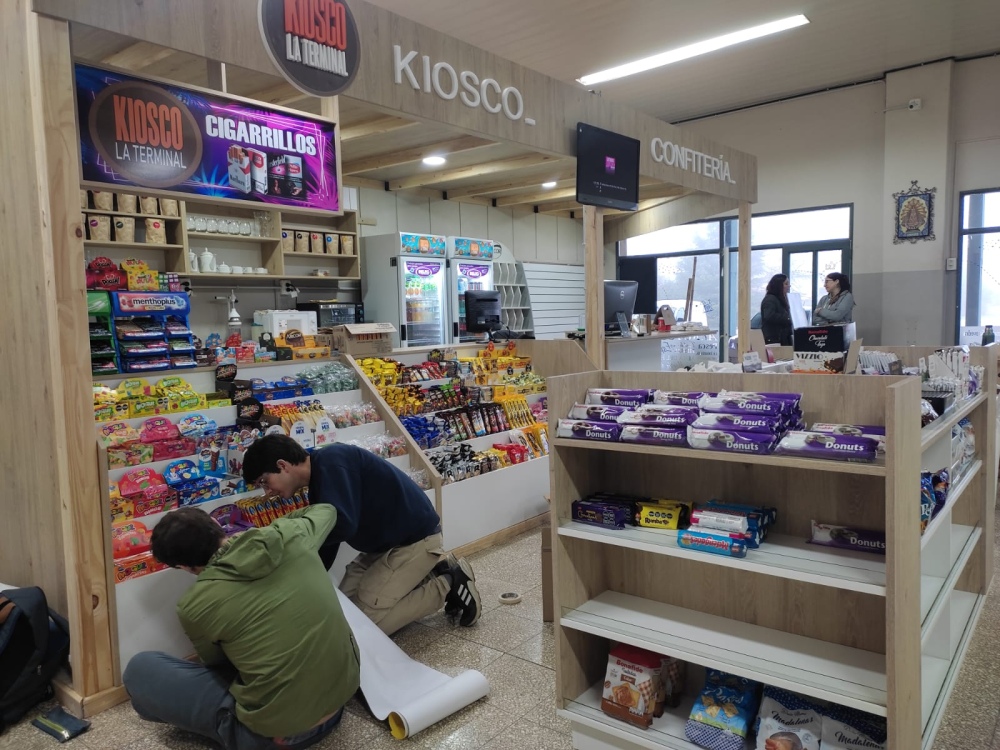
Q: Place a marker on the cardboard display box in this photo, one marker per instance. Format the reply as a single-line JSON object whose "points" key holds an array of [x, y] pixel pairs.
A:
{"points": [[363, 338], [832, 338]]}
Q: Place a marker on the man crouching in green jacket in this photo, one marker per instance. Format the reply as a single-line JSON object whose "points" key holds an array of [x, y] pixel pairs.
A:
{"points": [[278, 660]]}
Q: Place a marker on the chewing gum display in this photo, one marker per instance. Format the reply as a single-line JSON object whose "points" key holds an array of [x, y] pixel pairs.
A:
{"points": [[740, 423], [581, 429], [670, 436], [596, 513], [846, 537], [715, 544], [827, 445], [652, 415], [733, 442], [631, 398], [598, 412]]}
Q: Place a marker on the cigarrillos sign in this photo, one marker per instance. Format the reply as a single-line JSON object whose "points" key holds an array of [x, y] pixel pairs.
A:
{"points": [[314, 43], [136, 133]]}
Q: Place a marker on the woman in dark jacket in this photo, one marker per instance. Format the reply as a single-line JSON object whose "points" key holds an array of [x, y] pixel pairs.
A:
{"points": [[775, 318]]}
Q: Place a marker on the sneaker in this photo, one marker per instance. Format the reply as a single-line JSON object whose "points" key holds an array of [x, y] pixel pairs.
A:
{"points": [[447, 566], [464, 595]]}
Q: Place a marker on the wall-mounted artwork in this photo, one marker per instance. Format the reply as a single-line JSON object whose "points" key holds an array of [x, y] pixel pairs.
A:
{"points": [[914, 214]]}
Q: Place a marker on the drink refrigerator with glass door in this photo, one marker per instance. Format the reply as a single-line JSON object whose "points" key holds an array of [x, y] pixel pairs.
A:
{"points": [[404, 278], [470, 266]]}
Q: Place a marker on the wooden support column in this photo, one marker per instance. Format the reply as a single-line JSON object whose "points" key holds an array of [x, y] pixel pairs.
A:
{"points": [[743, 287], [329, 107], [85, 521], [593, 264], [217, 75]]}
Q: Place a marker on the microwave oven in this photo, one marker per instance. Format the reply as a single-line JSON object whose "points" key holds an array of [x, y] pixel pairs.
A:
{"points": [[330, 313]]}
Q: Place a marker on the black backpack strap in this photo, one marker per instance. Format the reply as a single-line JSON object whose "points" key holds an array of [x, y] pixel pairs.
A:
{"points": [[31, 602]]}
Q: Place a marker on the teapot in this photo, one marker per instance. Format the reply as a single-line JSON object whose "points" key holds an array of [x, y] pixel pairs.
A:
{"points": [[207, 262]]}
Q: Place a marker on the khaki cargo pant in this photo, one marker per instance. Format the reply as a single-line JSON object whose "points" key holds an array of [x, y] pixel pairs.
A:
{"points": [[396, 588]]}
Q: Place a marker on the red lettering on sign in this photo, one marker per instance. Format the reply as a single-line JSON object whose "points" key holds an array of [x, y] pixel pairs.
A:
{"points": [[122, 132], [142, 122], [320, 21], [154, 128]]}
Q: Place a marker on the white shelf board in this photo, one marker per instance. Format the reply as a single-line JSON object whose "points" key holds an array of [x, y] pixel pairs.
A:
{"points": [[830, 671], [943, 424], [957, 488], [781, 555], [222, 415], [935, 687], [360, 432], [400, 462], [937, 589], [666, 731], [789, 462]]}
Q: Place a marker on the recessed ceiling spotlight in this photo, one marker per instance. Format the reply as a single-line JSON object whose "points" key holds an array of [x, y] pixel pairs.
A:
{"points": [[434, 161], [693, 50], [550, 184]]}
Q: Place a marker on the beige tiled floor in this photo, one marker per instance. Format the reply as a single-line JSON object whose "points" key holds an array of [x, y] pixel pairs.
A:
{"points": [[516, 652]]}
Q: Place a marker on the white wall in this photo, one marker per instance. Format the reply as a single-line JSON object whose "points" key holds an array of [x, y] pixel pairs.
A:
{"points": [[976, 125]]}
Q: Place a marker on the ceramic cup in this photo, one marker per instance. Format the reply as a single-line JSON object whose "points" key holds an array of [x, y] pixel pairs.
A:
{"points": [[261, 270], [237, 269], [224, 268]]}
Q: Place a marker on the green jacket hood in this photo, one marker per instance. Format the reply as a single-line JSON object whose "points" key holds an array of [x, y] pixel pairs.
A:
{"points": [[252, 555]]}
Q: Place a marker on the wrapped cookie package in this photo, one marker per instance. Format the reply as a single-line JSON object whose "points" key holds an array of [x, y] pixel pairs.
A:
{"points": [[722, 714], [829, 446], [638, 684], [631, 398]]}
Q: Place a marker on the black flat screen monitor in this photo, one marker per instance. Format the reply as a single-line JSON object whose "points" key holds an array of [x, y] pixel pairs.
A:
{"points": [[619, 297], [482, 311], [607, 168]]}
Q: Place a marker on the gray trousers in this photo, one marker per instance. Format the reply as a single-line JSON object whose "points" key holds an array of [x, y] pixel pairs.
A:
{"points": [[196, 698]]}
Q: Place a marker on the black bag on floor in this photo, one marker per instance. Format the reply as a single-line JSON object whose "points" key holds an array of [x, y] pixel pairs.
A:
{"points": [[34, 645]]}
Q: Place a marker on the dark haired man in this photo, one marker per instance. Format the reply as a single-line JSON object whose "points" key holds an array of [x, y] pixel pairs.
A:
{"points": [[278, 660], [402, 573]]}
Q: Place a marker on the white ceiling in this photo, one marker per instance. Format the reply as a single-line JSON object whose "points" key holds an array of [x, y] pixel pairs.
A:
{"points": [[847, 41]]}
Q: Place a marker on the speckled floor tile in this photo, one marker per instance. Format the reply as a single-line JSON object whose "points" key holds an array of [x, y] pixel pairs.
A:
{"points": [[438, 620], [527, 735], [416, 636], [352, 733], [501, 630], [25, 736], [541, 649], [453, 655], [544, 714], [471, 727], [119, 727], [530, 606], [490, 589], [518, 686], [170, 741]]}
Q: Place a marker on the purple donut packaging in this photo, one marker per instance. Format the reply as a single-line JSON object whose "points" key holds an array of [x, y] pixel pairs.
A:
{"points": [[679, 398], [864, 430], [730, 441], [743, 404], [632, 398], [587, 429], [598, 412], [670, 436], [660, 416], [740, 423], [847, 537], [828, 445]]}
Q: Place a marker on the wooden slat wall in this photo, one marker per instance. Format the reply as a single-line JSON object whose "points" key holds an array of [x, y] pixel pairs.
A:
{"points": [[558, 298]]}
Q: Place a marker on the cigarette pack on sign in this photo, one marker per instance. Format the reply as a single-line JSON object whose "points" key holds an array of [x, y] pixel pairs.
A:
{"points": [[258, 170], [239, 169]]}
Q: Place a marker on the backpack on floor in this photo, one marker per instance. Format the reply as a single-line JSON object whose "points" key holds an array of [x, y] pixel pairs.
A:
{"points": [[34, 645]]}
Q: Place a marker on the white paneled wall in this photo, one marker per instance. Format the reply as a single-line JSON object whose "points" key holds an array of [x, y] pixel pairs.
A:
{"points": [[558, 297]]}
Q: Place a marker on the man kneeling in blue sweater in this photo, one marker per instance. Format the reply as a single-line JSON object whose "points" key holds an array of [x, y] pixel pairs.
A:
{"points": [[402, 573]]}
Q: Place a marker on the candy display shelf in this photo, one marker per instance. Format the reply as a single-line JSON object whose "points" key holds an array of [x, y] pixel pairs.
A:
{"points": [[884, 634]]}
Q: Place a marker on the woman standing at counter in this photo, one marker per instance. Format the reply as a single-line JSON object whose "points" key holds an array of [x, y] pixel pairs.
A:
{"points": [[837, 305], [775, 317]]}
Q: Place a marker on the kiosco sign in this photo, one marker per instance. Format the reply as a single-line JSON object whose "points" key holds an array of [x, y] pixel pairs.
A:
{"points": [[314, 43], [144, 134]]}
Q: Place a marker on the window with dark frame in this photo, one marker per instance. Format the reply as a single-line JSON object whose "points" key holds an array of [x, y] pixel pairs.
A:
{"points": [[978, 300]]}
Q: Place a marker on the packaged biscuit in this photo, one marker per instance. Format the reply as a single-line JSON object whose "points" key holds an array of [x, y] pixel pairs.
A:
{"points": [[632, 685], [724, 711], [786, 720]]}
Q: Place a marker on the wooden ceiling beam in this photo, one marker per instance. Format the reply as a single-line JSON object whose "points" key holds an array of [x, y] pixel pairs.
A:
{"points": [[138, 55], [505, 183], [473, 170], [377, 126], [538, 197], [554, 208], [407, 156], [279, 93], [661, 190]]}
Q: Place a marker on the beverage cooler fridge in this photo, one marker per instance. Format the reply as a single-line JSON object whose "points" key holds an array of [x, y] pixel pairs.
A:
{"points": [[405, 277], [470, 266]]}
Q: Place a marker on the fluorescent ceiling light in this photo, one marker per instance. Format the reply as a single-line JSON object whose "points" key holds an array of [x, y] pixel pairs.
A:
{"points": [[549, 184], [434, 161], [693, 50]]}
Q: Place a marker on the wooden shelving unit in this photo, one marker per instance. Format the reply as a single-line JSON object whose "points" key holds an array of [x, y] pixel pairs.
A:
{"points": [[882, 634]]}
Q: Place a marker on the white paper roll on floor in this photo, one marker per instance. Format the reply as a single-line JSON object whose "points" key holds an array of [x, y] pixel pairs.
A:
{"points": [[438, 704]]}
